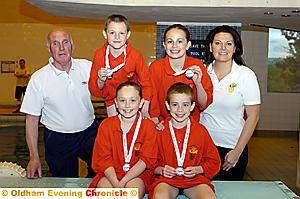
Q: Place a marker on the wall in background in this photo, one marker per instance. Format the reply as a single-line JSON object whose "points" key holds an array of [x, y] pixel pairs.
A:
{"points": [[279, 111]]}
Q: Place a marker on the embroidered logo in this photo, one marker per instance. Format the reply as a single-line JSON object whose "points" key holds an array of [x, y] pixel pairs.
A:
{"points": [[130, 75], [84, 82], [231, 87], [137, 148], [193, 151]]}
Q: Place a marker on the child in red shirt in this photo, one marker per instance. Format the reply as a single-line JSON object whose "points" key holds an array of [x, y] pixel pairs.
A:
{"points": [[188, 158], [176, 66], [125, 149], [117, 62]]}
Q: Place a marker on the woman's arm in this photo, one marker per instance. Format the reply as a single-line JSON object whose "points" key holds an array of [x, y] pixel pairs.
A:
{"points": [[252, 112]]}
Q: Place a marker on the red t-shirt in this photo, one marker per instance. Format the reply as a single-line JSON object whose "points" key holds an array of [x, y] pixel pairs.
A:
{"points": [[108, 148], [135, 70], [162, 78], [201, 151]]}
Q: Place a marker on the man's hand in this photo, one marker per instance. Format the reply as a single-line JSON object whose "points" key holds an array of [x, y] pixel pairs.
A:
{"points": [[33, 167]]}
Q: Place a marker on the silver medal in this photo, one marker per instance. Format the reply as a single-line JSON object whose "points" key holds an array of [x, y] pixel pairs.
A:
{"points": [[179, 171], [109, 73], [126, 167], [189, 73]]}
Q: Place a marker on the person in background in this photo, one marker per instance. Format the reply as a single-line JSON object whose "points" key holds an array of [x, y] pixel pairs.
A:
{"points": [[23, 74], [117, 62], [58, 96], [176, 66], [125, 149], [187, 157], [236, 91]]}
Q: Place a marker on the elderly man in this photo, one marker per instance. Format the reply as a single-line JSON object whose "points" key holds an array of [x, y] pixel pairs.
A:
{"points": [[57, 95]]}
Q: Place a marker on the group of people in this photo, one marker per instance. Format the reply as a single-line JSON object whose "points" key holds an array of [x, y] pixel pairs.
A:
{"points": [[170, 128]]}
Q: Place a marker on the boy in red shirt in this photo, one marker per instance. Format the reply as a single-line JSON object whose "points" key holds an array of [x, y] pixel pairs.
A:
{"points": [[125, 149], [117, 62], [188, 158], [176, 66]]}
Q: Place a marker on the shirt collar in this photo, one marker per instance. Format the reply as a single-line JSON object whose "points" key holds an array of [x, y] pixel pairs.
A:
{"points": [[234, 67], [57, 71], [169, 70], [118, 126]]}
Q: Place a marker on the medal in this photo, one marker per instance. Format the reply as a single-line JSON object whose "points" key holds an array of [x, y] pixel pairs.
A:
{"points": [[128, 154], [126, 167], [109, 71], [180, 157], [189, 73], [179, 171]]}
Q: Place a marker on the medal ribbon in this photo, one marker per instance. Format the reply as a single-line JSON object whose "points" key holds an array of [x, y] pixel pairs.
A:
{"points": [[182, 72], [180, 158], [107, 66], [127, 155]]}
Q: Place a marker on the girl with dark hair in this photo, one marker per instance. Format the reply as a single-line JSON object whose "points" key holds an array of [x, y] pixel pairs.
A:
{"points": [[236, 91], [175, 67]]}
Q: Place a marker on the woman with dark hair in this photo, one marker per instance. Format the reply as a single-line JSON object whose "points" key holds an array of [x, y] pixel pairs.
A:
{"points": [[236, 91]]}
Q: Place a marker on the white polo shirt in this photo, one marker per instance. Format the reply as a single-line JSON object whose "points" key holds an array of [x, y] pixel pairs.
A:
{"points": [[61, 99], [224, 116]]}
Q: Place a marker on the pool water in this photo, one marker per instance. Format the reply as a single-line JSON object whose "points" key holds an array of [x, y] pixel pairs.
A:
{"points": [[13, 147]]}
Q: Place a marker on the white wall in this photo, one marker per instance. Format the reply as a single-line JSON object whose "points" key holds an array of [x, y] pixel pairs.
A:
{"points": [[279, 111]]}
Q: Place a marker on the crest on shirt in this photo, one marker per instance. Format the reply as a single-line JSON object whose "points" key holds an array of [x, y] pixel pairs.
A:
{"points": [[130, 75], [137, 148], [193, 151], [231, 87]]}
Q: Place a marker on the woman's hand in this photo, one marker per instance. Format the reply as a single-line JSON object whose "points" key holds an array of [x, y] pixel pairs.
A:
{"points": [[231, 159]]}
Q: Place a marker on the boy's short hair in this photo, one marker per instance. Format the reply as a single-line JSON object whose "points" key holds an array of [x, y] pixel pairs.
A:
{"points": [[180, 88], [117, 19], [128, 83]]}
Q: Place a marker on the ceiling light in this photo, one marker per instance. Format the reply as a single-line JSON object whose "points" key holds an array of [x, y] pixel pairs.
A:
{"points": [[285, 15], [295, 11], [268, 13]]}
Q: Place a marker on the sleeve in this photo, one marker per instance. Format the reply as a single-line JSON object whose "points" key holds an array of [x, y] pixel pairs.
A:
{"points": [[250, 89], [207, 85], [93, 80], [154, 110], [149, 148], [210, 162], [144, 77], [33, 101], [102, 153], [159, 161]]}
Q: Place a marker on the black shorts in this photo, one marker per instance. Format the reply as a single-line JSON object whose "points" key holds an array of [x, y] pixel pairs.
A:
{"points": [[19, 91]]}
